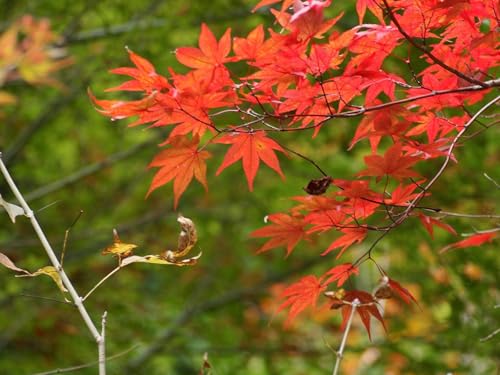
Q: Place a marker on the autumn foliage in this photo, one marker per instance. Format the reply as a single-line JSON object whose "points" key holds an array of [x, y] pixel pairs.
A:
{"points": [[302, 76]]}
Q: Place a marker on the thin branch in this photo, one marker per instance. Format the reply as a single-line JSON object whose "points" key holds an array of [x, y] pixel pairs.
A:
{"points": [[340, 352], [50, 253], [305, 158], [364, 110], [472, 216], [66, 235], [492, 230], [102, 281], [490, 336], [87, 365], [450, 151], [102, 345], [497, 185], [46, 299], [425, 50]]}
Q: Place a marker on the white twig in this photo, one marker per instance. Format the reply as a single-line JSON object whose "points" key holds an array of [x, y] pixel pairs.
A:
{"points": [[340, 352], [491, 335], [102, 345], [86, 365], [50, 253]]}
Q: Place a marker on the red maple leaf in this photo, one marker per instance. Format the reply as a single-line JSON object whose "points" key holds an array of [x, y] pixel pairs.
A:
{"points": [[263, 3], [349, 237], [367, 307], [429, 223], [475, 240], [340, 274], [393, 164], [402, 195], [251, 147], [211, 53], [180, 163], [285, 230], [300, 295], [401, 291]]}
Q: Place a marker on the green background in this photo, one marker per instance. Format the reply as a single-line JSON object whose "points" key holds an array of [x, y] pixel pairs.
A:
{"points": [[65, 157]]}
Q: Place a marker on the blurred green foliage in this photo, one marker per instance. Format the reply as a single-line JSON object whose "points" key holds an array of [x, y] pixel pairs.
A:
{"points": [[168, 317]]}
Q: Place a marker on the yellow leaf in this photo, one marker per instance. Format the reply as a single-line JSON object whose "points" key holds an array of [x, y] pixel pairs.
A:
{"points": [[52, 273], [119, 248], [159, 259]]}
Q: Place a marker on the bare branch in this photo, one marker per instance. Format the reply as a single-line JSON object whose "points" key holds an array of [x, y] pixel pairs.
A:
{"points": [[340, 352]]}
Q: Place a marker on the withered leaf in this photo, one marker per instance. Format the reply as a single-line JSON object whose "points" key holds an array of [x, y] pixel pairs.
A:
{"points": [[6, 262], [319, 186], [52, 273], [119, 248], [159, 259], [186, 241], [383, 292], [12, 209]]}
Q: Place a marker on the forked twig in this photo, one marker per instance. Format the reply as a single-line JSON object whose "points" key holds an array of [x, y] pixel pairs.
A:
{"points": [[77, 300]]}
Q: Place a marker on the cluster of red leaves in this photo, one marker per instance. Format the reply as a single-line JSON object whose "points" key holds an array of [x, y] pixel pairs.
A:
{"points": [[305, 78]]}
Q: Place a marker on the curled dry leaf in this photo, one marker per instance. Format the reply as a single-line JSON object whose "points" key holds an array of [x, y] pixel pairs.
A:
{"points": [[6, 262], [187, 239], [319, 186], [52, 273], [12, 209]]}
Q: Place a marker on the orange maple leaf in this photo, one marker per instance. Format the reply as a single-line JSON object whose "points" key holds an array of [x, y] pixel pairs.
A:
{"points": [[180, 163], [341, 273], [285, 230], [251, 147], [393, 164], [351, 235], [211, 53], [144, 76], [300, 295]]}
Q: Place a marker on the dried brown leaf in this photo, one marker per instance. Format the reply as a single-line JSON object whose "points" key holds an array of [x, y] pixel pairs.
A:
{"points": [[6, 262]]}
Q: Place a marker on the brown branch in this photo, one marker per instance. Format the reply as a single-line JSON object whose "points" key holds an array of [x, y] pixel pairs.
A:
{"points": [[361, 111], [426, 51], [412, 205]]}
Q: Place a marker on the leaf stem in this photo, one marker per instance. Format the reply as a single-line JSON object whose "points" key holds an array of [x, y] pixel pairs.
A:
{"points": [[102, 281]]}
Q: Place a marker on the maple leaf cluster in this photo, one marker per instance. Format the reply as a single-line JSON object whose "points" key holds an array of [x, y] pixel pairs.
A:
{"points": [[302, 79]]}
